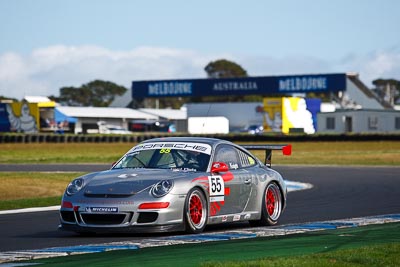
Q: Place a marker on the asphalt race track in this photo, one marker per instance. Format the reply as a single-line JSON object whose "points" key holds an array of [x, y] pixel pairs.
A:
{"points": [[338, 193]]}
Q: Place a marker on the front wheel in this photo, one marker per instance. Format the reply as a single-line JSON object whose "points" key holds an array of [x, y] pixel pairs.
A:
{"points": [[271, 206], [196, 211]]}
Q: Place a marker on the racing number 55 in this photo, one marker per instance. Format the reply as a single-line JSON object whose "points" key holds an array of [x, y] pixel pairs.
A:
{"points": [[217, 187], [215, 184]]}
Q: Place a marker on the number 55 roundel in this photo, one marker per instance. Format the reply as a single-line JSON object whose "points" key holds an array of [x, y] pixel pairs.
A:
{"points": [[217, 188]]}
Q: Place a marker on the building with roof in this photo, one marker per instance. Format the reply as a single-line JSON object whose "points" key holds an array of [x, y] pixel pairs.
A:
{"points": [[346, 91], [178, 117], [359, 121], [86, 119]]}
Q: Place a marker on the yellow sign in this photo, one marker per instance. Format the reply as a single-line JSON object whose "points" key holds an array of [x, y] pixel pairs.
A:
{"points": [[272, 114], [285, 113]]}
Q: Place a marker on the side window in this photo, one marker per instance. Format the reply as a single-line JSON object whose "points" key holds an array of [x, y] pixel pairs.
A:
{"points": [[228, 155], [246, 160]]}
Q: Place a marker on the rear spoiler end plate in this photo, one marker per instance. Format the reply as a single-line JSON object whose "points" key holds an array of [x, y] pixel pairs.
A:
{"points": [[286, 150]]}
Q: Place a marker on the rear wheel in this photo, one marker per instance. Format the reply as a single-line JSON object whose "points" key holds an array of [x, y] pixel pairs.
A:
{"points": [[195, 212], [271, 206]]}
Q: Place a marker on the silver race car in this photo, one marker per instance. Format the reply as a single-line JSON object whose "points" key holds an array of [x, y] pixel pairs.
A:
{"points": [[176, 184]]}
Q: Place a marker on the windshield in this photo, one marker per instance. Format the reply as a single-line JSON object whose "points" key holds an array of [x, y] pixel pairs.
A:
{"points": [[178, 157]]}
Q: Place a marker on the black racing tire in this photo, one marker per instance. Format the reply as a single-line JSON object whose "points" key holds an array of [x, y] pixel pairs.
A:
{"points": [[272, 204], [195, 211]]}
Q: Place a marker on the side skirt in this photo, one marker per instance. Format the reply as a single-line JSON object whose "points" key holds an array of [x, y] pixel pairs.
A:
{"points": [[245, 216]]}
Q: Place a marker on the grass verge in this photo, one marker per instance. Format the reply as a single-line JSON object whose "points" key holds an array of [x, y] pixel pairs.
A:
{"points": [[30, 203], [374, 245], [63, 152], [327, 153], [378, 255], [32, 189]]}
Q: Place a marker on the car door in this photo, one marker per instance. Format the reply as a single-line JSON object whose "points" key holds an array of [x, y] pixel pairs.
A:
{"points": [[236, 190]]}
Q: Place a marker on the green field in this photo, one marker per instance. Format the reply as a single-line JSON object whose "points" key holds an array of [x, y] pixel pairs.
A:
{"points": [[374, 245], [311, 153], [32, 189]]}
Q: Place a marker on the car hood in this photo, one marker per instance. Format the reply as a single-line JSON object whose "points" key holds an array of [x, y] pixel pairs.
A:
{"points": [[125, 182]]}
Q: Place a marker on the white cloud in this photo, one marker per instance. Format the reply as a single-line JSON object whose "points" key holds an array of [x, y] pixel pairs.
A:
{"points": [[378, 64], [46, 70], [11, 66], [266, 66]]}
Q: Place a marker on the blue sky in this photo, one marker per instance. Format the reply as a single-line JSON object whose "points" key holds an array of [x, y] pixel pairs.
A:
{"points": [[47, 44]]}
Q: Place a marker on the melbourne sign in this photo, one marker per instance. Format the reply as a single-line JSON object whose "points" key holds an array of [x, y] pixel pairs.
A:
{"points": [[240, 86]]}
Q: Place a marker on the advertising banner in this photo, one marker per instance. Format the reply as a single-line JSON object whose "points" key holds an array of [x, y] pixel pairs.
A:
{"points": [[19, 117], [273, 114], [4, 122], [240, 86], [288, 114]]}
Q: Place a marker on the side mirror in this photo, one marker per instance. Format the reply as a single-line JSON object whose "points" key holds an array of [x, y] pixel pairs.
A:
{"points": [[219, 167]]}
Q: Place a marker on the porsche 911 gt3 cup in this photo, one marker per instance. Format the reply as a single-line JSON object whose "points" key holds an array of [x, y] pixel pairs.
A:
{"points": [[177, 184]]}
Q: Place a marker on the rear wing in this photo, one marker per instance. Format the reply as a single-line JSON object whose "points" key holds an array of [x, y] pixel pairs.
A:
{"points": [[286, 150]]}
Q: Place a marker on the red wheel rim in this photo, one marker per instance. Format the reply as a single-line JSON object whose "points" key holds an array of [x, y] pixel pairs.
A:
{"points": [[270, 202], [196, 209]]}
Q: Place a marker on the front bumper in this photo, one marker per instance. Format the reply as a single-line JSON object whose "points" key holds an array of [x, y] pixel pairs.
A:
{"points": [[127, 229], [102, 216]]}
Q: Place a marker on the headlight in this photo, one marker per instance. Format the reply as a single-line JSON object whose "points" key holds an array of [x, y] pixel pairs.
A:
{"points": [[75, 186], [162, 188]]}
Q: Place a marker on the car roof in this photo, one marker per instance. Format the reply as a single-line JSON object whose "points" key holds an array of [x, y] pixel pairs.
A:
{"points": [[205, 140], [213, 142]]}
